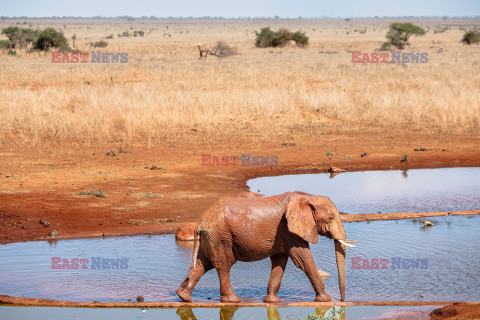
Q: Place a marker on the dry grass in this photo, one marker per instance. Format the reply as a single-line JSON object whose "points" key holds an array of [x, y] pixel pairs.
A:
{"points": [[165, 91]]}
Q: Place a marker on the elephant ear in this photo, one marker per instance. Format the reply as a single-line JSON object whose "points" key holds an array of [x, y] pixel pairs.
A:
{"points": [[300, 219]]}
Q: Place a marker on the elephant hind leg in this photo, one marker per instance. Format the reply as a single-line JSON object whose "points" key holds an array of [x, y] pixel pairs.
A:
{"points": [[226, 290], [223, 261], [202, 265], [279, 262]]}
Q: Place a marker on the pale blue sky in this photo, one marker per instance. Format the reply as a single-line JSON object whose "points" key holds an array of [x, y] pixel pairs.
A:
{"points": [[227, 8]]}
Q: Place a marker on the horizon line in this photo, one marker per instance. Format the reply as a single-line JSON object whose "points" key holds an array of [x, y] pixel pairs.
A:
{"points": [[234, 18]]}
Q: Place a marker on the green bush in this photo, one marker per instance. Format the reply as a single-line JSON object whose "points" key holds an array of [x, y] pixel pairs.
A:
{"points": [[6, 44], [51, 38], [139, 33], [471, 37], [110, 36], [269, 38], [300, 38], [12, 52], [100, 44], [399, 33], [266, 38]]}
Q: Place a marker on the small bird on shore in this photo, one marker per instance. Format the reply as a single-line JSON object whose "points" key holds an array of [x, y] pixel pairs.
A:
{"points": [[449, 215]]}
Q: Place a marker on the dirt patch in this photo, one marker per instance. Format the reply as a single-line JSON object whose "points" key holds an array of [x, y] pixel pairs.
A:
{"points": [[457, 310]]}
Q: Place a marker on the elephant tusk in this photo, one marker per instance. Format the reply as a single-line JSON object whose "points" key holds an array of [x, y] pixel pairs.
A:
{"points": [[346, 244], [351, 241]]}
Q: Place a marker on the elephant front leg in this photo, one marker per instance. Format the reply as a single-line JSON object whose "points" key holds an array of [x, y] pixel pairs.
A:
{"points": [[202, 265], [302, 258], [279, 263]]}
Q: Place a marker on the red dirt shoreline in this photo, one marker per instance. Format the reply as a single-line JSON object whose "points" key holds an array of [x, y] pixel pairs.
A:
{"points": [[184, 191], [62, 303]]}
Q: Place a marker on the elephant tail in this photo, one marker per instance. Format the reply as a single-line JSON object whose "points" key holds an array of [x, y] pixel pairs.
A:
{"points": [[196, 244]]}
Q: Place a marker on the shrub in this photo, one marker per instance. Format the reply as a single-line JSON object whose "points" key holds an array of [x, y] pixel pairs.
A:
{"points": [[93, 192], [269, 38], [223, 50], [51, 38], [6, 44], [399, 33], [12, 52], [100, 44], [110, 36], [471, 37], [139, 33], [300, 38], [266, 38], [386, 46], [125, 34]]}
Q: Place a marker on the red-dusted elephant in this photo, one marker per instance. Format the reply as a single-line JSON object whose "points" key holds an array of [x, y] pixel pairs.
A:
{"points": [[253, 227]]}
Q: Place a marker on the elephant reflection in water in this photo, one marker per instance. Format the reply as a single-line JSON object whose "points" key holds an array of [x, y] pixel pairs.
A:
{"points": [[227, 313]]}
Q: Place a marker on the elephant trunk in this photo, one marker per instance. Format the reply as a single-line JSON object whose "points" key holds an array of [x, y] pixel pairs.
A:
{"points": [[340, 256]]}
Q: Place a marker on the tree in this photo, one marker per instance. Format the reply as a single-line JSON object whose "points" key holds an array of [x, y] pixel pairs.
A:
{"points": [[20, 37], [10, 32], [50, 38], [399, 33], [471, 37]]}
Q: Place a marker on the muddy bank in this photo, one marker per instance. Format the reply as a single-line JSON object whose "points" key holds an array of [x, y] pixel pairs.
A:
{"points": [[60, 303], [457, 310], [402, 215], [91, 191]]}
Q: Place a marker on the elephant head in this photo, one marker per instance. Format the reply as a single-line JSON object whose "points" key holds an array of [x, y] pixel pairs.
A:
{"points": [[309, 216]]}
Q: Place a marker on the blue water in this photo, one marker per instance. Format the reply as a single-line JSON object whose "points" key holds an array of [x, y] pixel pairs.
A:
{"points": [[418, 190], [157, 265]]}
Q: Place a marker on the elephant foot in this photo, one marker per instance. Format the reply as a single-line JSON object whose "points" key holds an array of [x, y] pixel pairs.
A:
{"points": [[323, 297], [184, 295], [233, 298], [272, 299]]}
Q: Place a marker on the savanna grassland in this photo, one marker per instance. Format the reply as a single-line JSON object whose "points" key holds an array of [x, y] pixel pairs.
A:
{"points": [[164, 90], [70, 128]]}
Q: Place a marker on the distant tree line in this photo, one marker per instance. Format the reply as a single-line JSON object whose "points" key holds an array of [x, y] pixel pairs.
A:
{"points": [[240, 17]]}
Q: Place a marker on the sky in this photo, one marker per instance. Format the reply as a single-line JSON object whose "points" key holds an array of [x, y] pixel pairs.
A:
{"points": [[239, 8]]}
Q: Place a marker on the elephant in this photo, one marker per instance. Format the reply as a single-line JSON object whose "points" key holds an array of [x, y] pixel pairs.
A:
{"points": [[251, 228]]}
